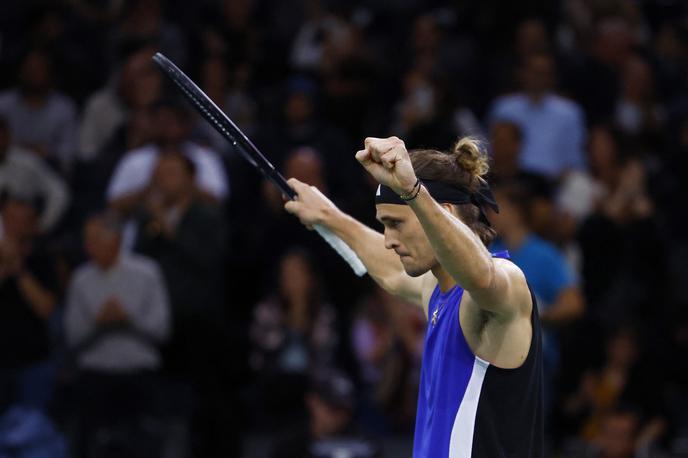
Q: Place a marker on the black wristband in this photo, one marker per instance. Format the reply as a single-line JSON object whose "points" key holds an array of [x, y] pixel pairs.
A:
{"points": [[414, 192]]}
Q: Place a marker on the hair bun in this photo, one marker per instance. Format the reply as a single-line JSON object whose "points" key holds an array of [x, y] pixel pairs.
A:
{"points": [[470, 157]]}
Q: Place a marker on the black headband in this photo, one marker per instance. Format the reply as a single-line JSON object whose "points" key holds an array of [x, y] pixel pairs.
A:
{"points": [[446, 193]]}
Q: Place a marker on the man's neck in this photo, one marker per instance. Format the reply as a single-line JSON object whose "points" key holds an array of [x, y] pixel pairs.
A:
{"points": [[445, 280], [536, 98], [106, 267], [35, 99]]}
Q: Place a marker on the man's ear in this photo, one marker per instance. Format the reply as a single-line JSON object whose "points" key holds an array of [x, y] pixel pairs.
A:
{"points": [[451, 208]]}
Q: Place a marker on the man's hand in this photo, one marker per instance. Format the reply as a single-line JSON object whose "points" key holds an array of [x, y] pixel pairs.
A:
{"points": [[112, 312], [311, 206], [387, 160]]}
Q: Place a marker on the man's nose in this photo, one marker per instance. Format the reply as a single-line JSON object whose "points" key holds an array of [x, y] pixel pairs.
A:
{"points": [[390, 241]]}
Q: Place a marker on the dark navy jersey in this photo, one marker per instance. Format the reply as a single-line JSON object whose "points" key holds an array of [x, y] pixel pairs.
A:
{"points": [[468, 407]]}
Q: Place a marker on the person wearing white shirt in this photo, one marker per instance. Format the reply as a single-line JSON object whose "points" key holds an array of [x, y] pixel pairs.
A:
{"points": [[133, 174], [117, 310], [553, 127], [24, 174]]}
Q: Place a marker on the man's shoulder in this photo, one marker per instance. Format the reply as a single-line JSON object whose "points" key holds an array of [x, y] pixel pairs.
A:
{"points": [[508, 102], [85, 273], [8, 96], [137, 156], [62, 104], [564, 106]]}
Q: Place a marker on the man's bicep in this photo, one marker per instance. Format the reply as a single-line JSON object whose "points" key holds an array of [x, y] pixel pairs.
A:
{"points": [[508, 292]]}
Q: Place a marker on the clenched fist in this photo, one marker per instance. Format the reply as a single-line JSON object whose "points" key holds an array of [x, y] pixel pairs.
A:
{"points": [[387, 160]]}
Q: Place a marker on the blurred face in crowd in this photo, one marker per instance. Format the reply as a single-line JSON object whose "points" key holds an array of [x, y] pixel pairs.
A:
{"points": [[617, 435], [299, 108], [305, 164], [426, 34], [19, 220], [101, 243], [295, 277], [140, 83], [538, 75], [174, 177], [603, 152], [405, 235], [531, 37], [622, 349], [510, 216], [614, 41], [214, 75], [36, 73], [506, 146], [637, 81], [172, 126]]}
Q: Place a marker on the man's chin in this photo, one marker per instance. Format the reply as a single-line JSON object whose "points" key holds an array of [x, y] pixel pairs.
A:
{"points": [[412, 270]]}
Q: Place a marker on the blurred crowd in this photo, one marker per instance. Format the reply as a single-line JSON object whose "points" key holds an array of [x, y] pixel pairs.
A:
{"points": [[156, 300]]}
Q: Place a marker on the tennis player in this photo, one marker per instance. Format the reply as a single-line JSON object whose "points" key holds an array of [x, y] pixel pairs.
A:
{"points": [[481, 381]]}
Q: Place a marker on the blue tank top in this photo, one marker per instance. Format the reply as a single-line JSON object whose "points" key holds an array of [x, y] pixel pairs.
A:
{"points": [[467, 407]]}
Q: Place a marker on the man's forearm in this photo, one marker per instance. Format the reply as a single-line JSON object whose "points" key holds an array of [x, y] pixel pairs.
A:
{"points": [[383, 265], [460, 252]]}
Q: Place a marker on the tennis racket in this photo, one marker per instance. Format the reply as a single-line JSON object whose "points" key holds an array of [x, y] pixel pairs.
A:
{"points": [[226, 127]]}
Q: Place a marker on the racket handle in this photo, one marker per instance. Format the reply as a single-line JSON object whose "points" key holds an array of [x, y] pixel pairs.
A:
{"points": [[343, 249]]}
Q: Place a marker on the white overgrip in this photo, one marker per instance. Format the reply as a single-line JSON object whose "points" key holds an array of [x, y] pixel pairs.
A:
{"points": [[343, 249]]}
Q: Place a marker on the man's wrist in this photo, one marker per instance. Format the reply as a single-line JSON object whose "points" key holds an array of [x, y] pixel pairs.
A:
{"points": [[411, 193]]}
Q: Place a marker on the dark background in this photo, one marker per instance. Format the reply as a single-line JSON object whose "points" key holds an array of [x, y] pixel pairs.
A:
{"points": [[261, 306]]}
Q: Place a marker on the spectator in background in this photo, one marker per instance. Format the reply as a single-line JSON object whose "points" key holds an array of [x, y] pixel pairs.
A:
{"points": [[41, 119], [135, 86], [27, 298], [130, 181], [618, 436], [330, 431], [293, 332], [553, 127], [142, 21], [117, 306], [637, 111], [530, 38], [387, 338], [24, 174], [320, 32], [116, 318], [620, 380], [91, 178], [228, 88], [506, 139], [506, 146], [594, 79], [301, 125], [231, 31], [186, 235], [559, 297], [619, 235]]}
